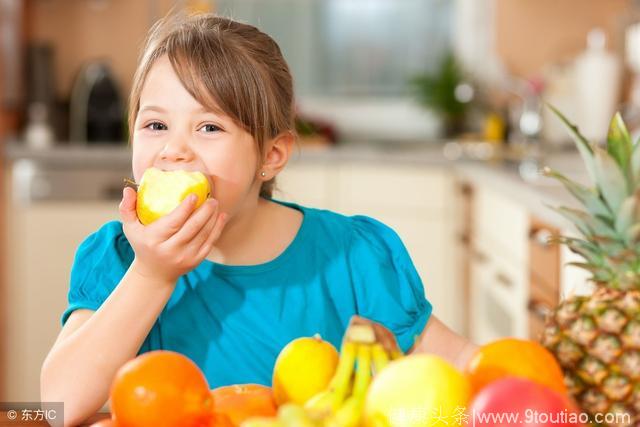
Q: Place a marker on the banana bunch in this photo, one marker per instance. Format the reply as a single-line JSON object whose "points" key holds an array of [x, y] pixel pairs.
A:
{"points": [[366, 350]]}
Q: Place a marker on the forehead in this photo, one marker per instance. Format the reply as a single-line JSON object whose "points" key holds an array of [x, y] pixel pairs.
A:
{"points": [[163, 87]]}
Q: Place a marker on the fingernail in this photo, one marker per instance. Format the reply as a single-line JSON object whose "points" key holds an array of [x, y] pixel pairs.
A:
{"points": [[193, 198]]}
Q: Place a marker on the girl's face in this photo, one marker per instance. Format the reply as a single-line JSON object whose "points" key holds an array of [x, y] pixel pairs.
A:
{"points": [[173, 131]]}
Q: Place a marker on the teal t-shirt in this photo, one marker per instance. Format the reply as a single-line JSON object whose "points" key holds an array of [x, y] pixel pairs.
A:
{"points": [[234, 320]]}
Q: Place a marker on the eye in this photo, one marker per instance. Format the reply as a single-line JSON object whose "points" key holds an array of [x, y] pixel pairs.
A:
{"points": [[208, 128], [156, 126]]}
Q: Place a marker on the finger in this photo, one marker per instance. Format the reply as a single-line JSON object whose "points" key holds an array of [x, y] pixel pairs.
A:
{"points": [[206, 248], [127, 206], [196, 222], [205, 232], [171, 223]]}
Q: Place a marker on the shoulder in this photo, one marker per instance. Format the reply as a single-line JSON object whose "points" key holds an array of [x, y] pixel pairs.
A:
{"points": [[356, 233], [109, 239], [106, 249], [100, 262]]}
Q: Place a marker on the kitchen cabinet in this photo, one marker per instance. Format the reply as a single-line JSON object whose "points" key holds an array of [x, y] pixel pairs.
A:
{"points": [[44, 237], [544, 275], [419, 202], [498, 267], [14, 22], [310, 184]]}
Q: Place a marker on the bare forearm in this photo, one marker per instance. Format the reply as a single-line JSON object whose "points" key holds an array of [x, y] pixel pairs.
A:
{"points": [[438, 339], [79, 369]]}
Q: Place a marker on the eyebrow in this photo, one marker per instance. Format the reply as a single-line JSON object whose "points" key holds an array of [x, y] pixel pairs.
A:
{"points": [[152, 108], [162, 110]]}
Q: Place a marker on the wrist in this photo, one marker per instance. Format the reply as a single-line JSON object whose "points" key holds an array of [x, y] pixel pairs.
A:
{"points": [[150, 275]]}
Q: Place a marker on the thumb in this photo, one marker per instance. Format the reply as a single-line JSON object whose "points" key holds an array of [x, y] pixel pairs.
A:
{"points": [[128, 206]]}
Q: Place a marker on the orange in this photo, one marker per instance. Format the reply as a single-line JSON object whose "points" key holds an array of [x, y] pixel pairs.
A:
{"points": [[511, 357], [242, 401], [107, 422], [221, 420], [303, 368], [161, 389]]}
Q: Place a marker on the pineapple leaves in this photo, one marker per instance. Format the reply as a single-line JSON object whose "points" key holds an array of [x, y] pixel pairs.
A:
{"points": [[610, 220], [627, 215], [632, 236], [586, 266], [589, 198], [577, 218], [634, 165], [586, 249], [593, 228], [619, 142], [611, 181], [585, 149]]}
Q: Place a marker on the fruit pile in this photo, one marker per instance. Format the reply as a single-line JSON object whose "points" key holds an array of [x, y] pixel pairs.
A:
{"points": [[507, 383], [369, 383]]}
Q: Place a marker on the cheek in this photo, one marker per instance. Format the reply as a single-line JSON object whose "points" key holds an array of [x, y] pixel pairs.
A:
{"points": [[234, 163], [141, 160]]}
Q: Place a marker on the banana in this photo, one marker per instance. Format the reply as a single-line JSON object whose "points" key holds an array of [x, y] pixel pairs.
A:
{"points": [[348, 415], [378, 420], [396, 354], [341, 404], [361, 333], [292, 415], [330, 400], [350, 412], [363, 371], [380, 358], [322, 403], [342, 378]]}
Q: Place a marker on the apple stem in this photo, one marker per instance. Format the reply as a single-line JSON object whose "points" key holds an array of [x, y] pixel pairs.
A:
{"points": [[130, 183]]}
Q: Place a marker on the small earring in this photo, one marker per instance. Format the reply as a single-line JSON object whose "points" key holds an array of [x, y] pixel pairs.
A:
{"points": [[263, 174]]}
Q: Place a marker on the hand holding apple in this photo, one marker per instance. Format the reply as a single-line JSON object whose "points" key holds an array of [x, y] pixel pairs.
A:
{"points": [[182, 226]]}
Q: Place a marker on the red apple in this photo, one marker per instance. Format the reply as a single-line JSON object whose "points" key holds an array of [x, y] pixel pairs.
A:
{"points": [[521, 402]]}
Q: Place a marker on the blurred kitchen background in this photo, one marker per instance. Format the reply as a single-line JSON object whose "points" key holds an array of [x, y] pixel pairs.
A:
{"points": [[426, 114]]}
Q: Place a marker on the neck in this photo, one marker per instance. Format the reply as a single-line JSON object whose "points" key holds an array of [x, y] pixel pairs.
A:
{"points": [[237, 234]]}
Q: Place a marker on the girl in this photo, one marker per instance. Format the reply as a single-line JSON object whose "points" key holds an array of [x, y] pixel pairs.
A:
{"points": [[231, 283]]}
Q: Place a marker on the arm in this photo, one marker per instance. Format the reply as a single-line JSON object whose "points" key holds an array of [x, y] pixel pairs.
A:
{"points": [[92, 346], [438, 339]]}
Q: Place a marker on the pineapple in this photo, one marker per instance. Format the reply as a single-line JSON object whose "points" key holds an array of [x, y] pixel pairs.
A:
{"points": [[596, 338]]}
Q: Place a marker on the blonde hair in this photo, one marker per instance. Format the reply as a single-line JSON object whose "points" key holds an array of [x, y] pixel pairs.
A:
{"points": [[225, 65]]}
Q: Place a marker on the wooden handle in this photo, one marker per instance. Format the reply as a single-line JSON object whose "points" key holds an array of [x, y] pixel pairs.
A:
{"points": [[479, 256], [541, 236], [539, 308], [504, 279]]}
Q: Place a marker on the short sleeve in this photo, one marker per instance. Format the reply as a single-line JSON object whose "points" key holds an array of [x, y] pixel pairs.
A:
{"points": [[100, 263], [387, 286]]}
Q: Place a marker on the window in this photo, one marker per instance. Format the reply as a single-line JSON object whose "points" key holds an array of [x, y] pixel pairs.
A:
{"points": [[352, 48]]}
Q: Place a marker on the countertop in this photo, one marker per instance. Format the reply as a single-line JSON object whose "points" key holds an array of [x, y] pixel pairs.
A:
{"points": [[535, 194]]}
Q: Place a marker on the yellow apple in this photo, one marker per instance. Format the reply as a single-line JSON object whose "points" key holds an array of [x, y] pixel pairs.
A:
{"points": [[417, 391], [160, 192]]}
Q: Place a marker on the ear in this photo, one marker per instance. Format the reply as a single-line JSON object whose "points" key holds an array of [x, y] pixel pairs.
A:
{"points": [[277, 154]]}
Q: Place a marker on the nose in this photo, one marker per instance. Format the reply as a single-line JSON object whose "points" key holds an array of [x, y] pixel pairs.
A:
{"points": [[177, 149]]}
